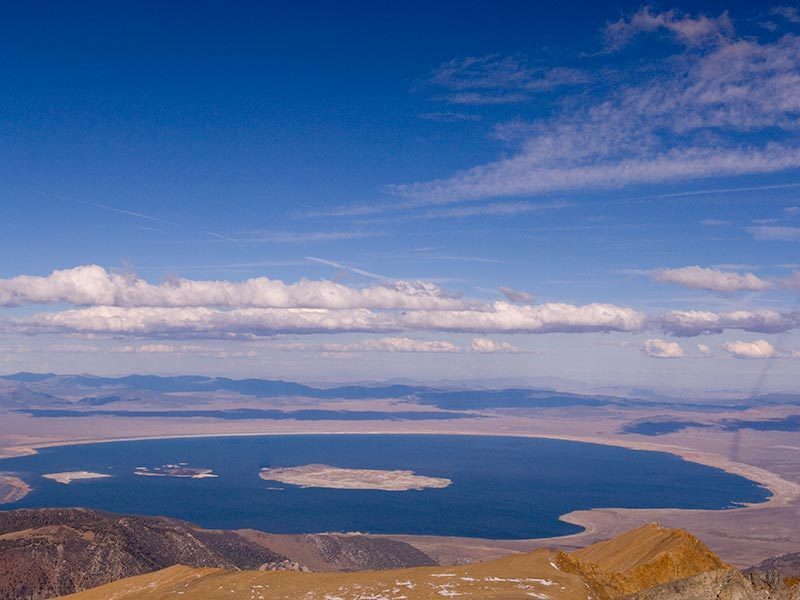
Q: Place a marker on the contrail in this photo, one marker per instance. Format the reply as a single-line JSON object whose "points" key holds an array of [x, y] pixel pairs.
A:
{"points": [[331, 263], [730, 190], [130, 213], [121, 211]]}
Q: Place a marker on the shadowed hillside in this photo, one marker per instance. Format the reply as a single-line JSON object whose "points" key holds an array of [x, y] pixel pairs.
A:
{"points": [[48, 552]]}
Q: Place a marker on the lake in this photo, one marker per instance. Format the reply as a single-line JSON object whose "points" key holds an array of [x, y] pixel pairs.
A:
{"points": [[503, 487]]}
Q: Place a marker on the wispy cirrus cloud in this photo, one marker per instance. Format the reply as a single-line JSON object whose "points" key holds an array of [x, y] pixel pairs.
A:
{"points": [[303, 237], [686, 29], [449, 117], [534, 172], [774, 233], [710, 112], [494, 209], [516, 296], [790, 13], [496, 79]]}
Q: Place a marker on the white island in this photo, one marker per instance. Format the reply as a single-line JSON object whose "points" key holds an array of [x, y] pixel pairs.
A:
{"points": [[326, 476]]}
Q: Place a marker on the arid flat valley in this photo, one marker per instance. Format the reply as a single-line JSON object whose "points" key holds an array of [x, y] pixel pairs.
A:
{"points": [[748, 437]]}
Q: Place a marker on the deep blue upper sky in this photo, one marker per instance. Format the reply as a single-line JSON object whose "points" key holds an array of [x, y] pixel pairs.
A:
{"points": [[577, 154]]}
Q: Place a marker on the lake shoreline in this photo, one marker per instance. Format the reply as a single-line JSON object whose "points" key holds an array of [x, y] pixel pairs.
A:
{"points": [[12, 488], [595, 523]]}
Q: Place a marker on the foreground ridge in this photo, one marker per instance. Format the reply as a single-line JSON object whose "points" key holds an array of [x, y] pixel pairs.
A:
{"points": [[648, 563]]}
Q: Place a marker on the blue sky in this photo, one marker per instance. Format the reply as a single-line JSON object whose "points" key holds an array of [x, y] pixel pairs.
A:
{"points": [[604, 195]]}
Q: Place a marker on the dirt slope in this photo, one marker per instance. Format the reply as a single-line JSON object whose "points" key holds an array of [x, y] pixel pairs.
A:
{"points": [[643, 558], [532, 575]]}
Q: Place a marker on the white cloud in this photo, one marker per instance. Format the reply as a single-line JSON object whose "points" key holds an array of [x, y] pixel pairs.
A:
{"points": [[713, 280], [183, 349], [792, 282], [401, 344], [697, 322], [394, 344], [389, 344], [692, 31], [771, 233], [74, 348], [92, 285], [115, 304], [656, 348], [756, 349], [540, 318], [203, 322], [516, 296], [486, 345], [704, 350], [159, 349], [252, 322]]}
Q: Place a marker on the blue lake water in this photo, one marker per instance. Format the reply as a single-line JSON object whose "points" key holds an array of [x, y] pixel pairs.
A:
{"points": [[503, 487]]}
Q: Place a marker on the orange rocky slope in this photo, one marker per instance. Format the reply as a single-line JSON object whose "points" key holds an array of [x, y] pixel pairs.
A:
{"points": [[643, 558]]}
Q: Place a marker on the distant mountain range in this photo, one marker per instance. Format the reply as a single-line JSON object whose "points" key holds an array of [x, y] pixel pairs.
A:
{"points": [[444, 398]]}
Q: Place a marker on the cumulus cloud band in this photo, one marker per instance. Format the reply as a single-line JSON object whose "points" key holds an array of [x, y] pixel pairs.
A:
{"points": [[116, 304], [92, 285], [713, 280]]}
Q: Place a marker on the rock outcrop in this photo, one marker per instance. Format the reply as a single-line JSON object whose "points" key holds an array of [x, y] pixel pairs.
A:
{"points": [[787, 565], [724, 584]]}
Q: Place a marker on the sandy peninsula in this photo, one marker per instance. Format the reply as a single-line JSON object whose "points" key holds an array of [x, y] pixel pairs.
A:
{"points": [[325, 476], [12, 488], [68, 477], [181, 471]]}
